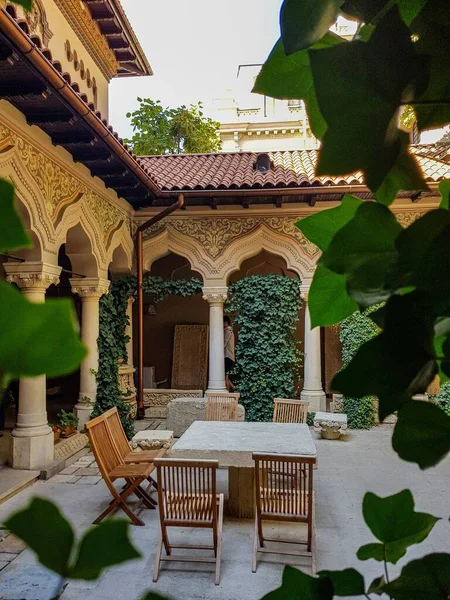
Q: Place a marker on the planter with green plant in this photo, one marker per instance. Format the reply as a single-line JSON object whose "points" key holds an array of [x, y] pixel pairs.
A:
{"points": [[68, 422]]}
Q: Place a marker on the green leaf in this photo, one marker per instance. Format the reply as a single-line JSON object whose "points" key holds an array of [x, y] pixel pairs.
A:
{"points": [[345, 583], [300, 586], [412, 246], [103, 546], [44, 529], [12, 233], [305, 22], [27, 4], [321, 227], [406, 174], [32, 335], [376, 587], [393, 521], [328, 300], [403, 353], [359, 87], [427, 578], [363, 250], [363, 10], [433, 33], [422, 433], [287, 77], [444, 189]]}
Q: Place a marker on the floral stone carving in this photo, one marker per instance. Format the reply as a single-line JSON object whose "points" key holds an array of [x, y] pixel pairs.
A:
{"points": [[330, 425]]}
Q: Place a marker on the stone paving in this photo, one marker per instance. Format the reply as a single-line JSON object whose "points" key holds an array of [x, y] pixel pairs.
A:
{"points": [[347, 469]]}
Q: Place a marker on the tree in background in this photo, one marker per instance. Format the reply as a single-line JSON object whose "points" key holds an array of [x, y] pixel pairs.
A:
{"points": [[182, 130]]}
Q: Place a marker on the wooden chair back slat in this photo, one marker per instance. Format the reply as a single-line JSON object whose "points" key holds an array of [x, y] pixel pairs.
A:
{"points": [[290, 411], [222, 406], [103, 447], [187, 491], [117, 431], [284, 486]]}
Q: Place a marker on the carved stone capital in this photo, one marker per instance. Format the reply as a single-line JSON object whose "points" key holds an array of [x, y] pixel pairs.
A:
{"points": [[304, 289], [89, 287], [215, 295], [32, 275]]}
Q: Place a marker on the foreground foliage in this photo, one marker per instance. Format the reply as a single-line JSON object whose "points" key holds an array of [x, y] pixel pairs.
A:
{"points": [[267, 354]]}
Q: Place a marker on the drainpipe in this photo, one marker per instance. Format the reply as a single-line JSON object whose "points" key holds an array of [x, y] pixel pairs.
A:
{"points": [[140, 297]]}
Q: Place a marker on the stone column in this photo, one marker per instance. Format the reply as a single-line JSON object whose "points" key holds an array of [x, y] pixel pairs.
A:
{"points": [[90, 290], [32, 439], [216, 297], [312, 388], [129, 331]]}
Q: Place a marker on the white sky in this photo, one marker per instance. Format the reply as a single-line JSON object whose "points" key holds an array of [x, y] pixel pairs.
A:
{"points": [[195, 48]]}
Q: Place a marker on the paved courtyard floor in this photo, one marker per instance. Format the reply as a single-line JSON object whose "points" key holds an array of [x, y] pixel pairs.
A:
{"points": [[347, 469]]}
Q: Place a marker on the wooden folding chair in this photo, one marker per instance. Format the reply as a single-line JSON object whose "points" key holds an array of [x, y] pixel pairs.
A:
{"points": [[290, 411], [222, 406], [113, 467], [187, 497], [284, 492], [123, 446]]}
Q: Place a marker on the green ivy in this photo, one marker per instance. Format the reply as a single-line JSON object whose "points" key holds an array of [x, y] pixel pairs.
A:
{"points": [[112, 338], [267, 354], [443, 398], [355, 330]]}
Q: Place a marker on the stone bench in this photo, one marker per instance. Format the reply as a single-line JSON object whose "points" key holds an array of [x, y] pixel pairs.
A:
{"points": [[182, 412], [152, 439], [330, 425]]}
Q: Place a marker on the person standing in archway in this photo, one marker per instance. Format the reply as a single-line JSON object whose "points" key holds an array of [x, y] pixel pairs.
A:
{"points": [[228, 344]]}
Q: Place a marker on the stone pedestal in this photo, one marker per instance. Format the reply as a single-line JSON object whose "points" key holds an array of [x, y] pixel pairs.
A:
{"points": [[216, 298], [312, 388], [182, 412], [90, 290], [126, 385], [241, 486], [153, 439], [330, 425], [32, 439]]}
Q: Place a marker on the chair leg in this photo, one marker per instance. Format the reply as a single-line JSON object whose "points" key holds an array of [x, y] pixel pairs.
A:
{"points": [[157, 561], [113, 505], [255, 545], [260, 529], [146, 499], [313, 539], [165, 539], [219, 538]]}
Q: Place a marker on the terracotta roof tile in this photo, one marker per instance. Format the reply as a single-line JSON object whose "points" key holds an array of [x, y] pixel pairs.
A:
{"points": [[290, 169]]}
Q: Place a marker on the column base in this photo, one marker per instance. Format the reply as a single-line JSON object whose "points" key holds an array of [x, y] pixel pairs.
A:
{"points": [[217, 386], [31, 452], [83, 412], [317, 400]]}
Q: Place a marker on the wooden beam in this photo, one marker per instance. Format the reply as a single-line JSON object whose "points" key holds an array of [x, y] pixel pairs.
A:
{"points": [[278, 201], [213, 203], [416, 196], [246, 202], [71, 137], [312, 200]]}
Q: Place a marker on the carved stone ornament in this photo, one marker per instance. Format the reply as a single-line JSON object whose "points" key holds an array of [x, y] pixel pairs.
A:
{"points": [[27, 281], [214, 295], [215, 234], [330, 425], [407, 218], [89, 287]]}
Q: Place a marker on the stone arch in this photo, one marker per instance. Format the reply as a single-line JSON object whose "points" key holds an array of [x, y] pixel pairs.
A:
{"points": [[80, 252], [169, 241], [35, 252], [120, 254], [120, 263], [267, 239], [84, 239]]}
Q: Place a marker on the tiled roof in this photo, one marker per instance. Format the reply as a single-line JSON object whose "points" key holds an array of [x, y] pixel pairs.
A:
{"points": [[290, 169]]}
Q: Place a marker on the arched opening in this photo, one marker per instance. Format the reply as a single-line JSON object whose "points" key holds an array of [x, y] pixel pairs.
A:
{"points": [[161, 318], [78, 248], [62, 392], [266, 263], [120, 263]]}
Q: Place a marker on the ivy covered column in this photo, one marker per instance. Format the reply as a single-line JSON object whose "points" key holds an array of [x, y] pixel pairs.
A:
{"points": [[129, 331], [90, 290], [312, 388], [216, 297], [32, 439]]}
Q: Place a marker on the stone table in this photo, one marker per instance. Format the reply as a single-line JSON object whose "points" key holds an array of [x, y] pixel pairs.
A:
{"points": [[233, 443]]}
